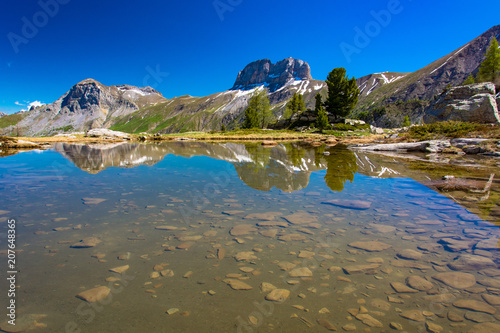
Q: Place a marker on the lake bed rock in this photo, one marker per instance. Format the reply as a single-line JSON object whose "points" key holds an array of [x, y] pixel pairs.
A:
{"points": [[86, 243], [237, 284], [278, 295], [474, 305], [457, 280], [94, 294], [419, 283], [349, 204]]}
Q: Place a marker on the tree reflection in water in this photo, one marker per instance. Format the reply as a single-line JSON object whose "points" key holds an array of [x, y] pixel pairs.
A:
{"points": [[341, 167]]}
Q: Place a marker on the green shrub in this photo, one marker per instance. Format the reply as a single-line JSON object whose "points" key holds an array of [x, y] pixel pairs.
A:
{"points": [[449, 129]]}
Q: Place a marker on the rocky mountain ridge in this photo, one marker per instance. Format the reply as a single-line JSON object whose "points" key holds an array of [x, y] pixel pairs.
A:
{"points": [[429, 81], [272, 76], [90, 104]]}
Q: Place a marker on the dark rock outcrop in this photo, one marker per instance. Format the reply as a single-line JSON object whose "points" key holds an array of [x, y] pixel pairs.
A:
{"points": [[272, 76], [470, 103]]}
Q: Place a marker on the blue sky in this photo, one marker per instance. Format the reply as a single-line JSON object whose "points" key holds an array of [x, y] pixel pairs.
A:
{"points": [[198, 47]]}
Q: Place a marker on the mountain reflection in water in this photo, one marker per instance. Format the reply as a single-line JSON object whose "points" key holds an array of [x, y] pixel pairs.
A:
{"points": [[286, 167]]}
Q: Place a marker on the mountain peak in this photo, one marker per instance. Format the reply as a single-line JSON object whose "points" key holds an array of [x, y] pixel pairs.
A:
{"points": [[273, 76], [88, 81]]}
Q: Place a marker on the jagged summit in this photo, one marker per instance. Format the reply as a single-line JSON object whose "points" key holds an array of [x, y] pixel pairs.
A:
{"points": [[272, 76]]}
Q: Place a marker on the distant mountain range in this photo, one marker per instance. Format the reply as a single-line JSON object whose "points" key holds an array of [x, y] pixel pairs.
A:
{"points": [[90, 104]]}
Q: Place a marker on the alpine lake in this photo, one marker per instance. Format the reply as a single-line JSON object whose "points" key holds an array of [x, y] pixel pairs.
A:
{"points": [[229, 237]]}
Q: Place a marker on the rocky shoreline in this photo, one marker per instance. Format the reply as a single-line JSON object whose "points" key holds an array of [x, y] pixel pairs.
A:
{"points": [[462, 146]]}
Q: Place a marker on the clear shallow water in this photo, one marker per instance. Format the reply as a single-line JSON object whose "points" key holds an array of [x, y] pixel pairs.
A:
{"points": [[201, 192]]}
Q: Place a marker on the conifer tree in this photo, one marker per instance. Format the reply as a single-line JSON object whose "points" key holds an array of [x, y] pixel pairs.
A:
{"points": [[251, 119], [259, 102], [321, 116], [489, 71], [294, 106], [342, 93], [469, 80]]}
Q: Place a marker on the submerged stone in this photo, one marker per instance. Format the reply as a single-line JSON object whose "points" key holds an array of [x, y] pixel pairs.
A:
{"points": [[301, 272], [326, 324], [370, 246], [278, 295], [94, 294], [457, 280], [86, 243], [350, 204], [237, 284], [474, 305], [300, 218]]}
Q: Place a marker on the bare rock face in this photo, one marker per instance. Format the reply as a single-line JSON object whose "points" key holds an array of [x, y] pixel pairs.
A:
{"points": [[273, 76], [87, 105], [470, 103]]}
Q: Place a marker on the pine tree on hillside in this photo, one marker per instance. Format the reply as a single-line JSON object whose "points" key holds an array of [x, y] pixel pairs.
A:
{"points": [[260, 103], [294, 106], [469, 80], [251, 119], [342, 93], [489, 71], [322, 122]]}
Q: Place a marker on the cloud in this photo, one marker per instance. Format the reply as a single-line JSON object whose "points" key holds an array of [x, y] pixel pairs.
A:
{"points": [[30, 104], [35, 104]]}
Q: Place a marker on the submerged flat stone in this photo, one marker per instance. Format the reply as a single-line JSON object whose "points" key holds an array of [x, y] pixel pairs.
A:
{"points": [[419, 283], [272, 224], [267, 287], [409, 254], [326, 324], [471, 262], [485, 328], [369, 320], [86, 243], [269, 216], [249, 255], [120, 269], [402, 288], [301, 272], [278, 295], [370, 246], [491, 299], [166, 227], [474, 305], [237, 284], [457, 280], [242, 229], [359, 269], [92, 201], [415, 315], [292, 237], [94, 294], [300, 218], [350, 204]]}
